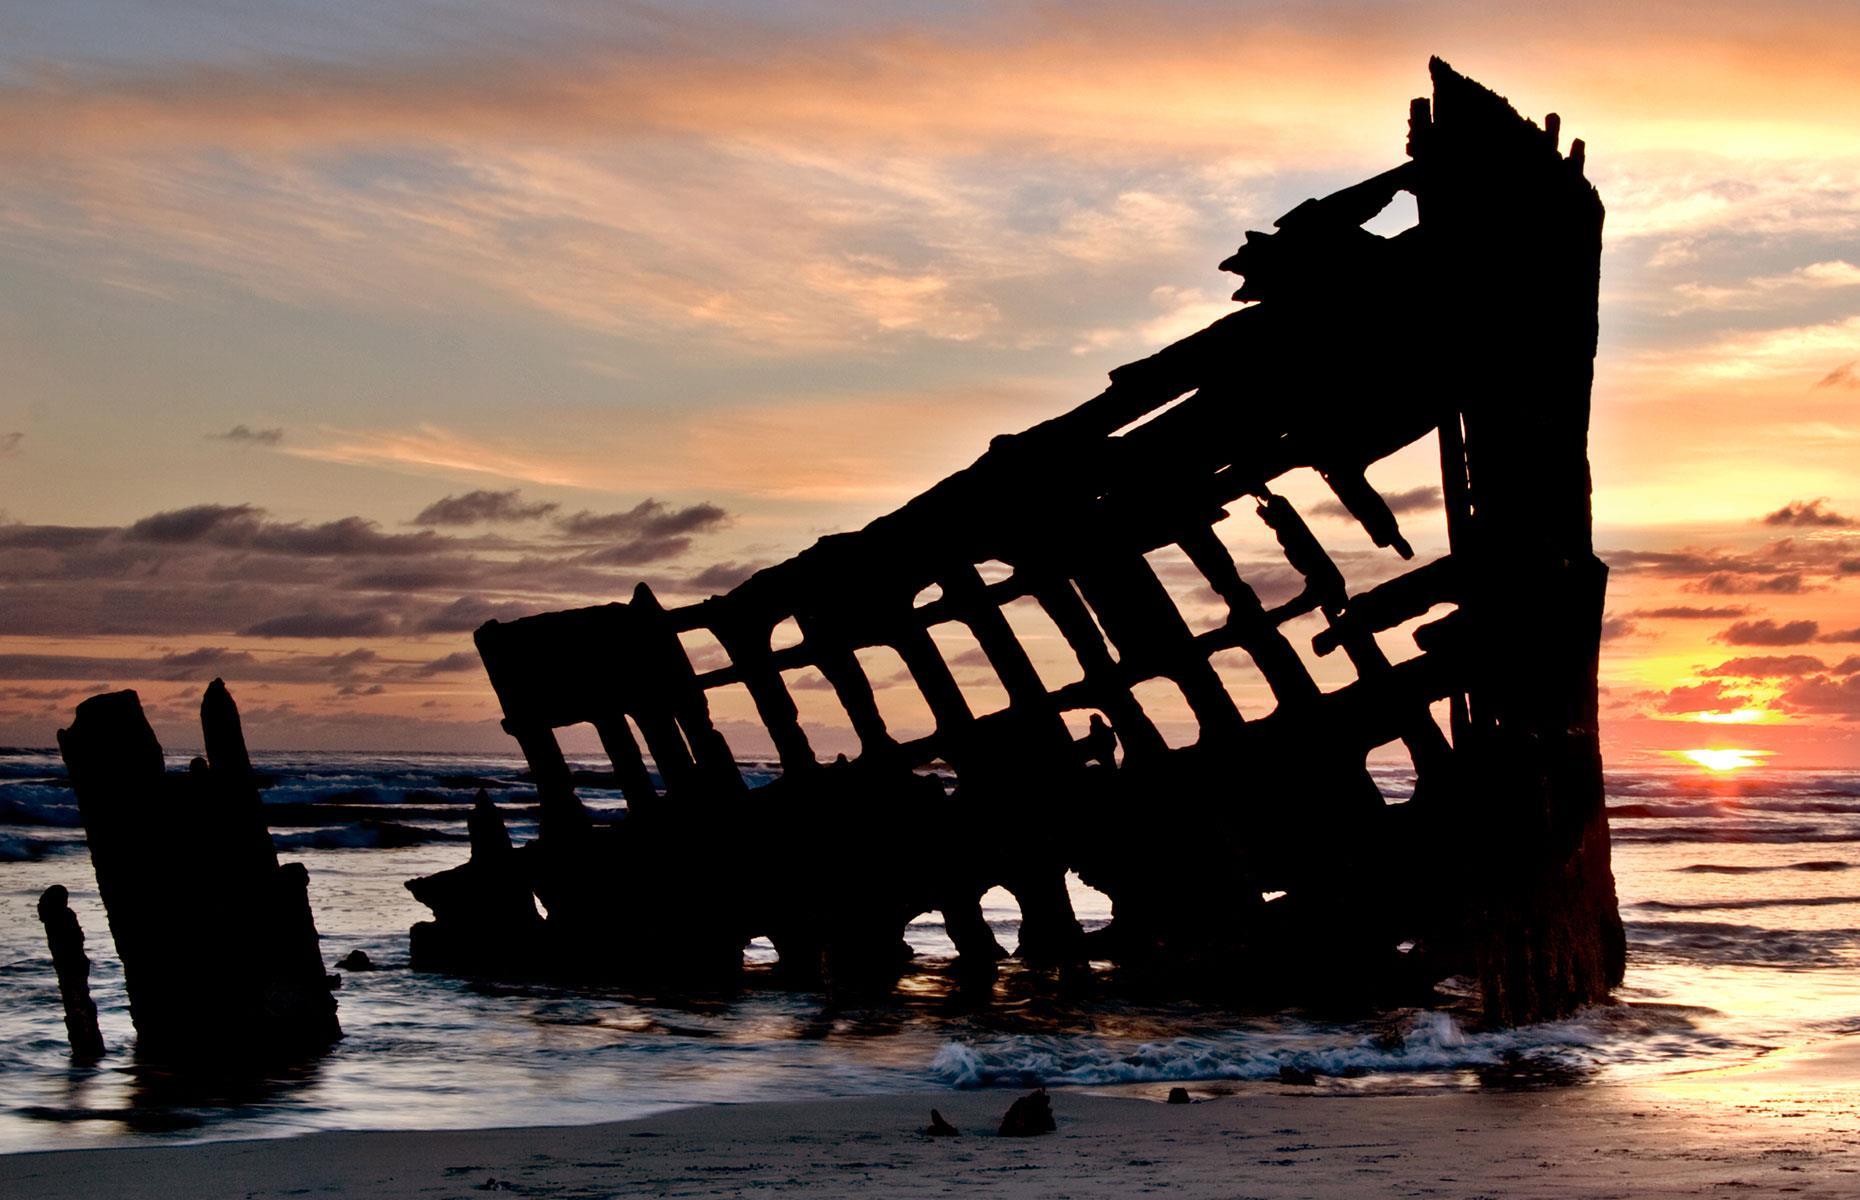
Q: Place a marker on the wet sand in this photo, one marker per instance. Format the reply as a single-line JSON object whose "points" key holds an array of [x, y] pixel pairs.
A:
{"points": [[1787, 1126]]}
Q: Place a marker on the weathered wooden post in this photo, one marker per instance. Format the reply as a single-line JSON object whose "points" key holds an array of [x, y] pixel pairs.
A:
{"points": [[1517, 233], [218, 944], [65, 938]]}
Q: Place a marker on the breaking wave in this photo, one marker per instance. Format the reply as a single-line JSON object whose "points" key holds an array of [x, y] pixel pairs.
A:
{"points": [[1728, 944], [1740, 869], [364, 835], [1429, 1043]]}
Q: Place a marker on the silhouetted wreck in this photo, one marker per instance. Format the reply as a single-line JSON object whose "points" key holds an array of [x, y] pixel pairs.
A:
{"points": [[219, 949], [1478, 324]]}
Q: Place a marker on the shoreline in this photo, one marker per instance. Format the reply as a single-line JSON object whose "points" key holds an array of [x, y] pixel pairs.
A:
{"points": [[1787, 1125]]}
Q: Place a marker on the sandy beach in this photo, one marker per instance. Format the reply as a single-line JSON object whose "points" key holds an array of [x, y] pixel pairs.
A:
{"points": [[1791, 1126]]}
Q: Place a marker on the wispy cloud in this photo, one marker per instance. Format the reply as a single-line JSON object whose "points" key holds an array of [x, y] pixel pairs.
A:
{"points": [[429, 448]]}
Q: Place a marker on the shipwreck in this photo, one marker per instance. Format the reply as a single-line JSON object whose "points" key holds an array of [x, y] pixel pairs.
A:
{"points": [[1260, 861], [1477, 326]]}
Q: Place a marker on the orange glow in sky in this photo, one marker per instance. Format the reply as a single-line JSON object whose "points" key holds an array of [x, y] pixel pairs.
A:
{"points": [[1739, 716], [1722, 759], [444, 325]]}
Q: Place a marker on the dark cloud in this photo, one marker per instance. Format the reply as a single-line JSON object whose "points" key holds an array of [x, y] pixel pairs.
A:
{"points": [[341, 665], [468, 612], [1766, 632], [51, 537], [193, 524], [1419, 499], [1808, 557], [56, 693], [364, 623], [242, 527], [1701, 697], [464, 660], [639, 552], [1841, 376], [1616, 627], [1820, 693], [649, 519], [723, 576], [1686, 612], [1841, 635], [1726, 583], [205, 658], [1767, 666], [200, 663], [480, 507], [361, 689], [211, 570], [9, 443], [1848, 665], [1808, 513], [246, 435]]}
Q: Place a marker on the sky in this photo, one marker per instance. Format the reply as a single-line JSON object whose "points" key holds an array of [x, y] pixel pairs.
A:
{"points": [[334, 330]]}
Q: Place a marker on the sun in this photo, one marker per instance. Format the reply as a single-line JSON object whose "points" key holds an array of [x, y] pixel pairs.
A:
{"points": [[1722, 759]]}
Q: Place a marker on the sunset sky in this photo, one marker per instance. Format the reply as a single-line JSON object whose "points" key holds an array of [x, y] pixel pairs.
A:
{"points": [[327, 339]]}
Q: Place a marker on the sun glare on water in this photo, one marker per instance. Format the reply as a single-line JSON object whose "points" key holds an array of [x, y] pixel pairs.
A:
{"points": [[1722, 760]]}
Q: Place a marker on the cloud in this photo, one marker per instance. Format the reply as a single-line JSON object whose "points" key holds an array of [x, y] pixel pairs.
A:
{"points": [[639, 553], [1766, 666], [473, 508], [464, 660], [200, 663], [1847, 666], [245, 435], [428, 449], [1616, 627], [1842, 376], [1785, 566], [1687, 612], [1819, 693], [192, 524], [721, 577], [649, 518], [364, 623], [1808, 513], [1765, 291], [1701, 697], [1841, 635], [1421, 499], [9, 443], [468, 612], [1766, 632], [1726, 583], [242, 527]]}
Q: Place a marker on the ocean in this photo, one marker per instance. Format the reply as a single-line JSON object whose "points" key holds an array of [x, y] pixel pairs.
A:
{"points": [[1739, 892]]}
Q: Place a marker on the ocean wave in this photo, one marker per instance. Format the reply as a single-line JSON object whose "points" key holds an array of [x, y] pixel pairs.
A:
{"points": [[1740, 808], [364, 835], [1724, 943], [15, 848], [1770, 835], [1430, 1043], [1740, 869], [1753, 902]]}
